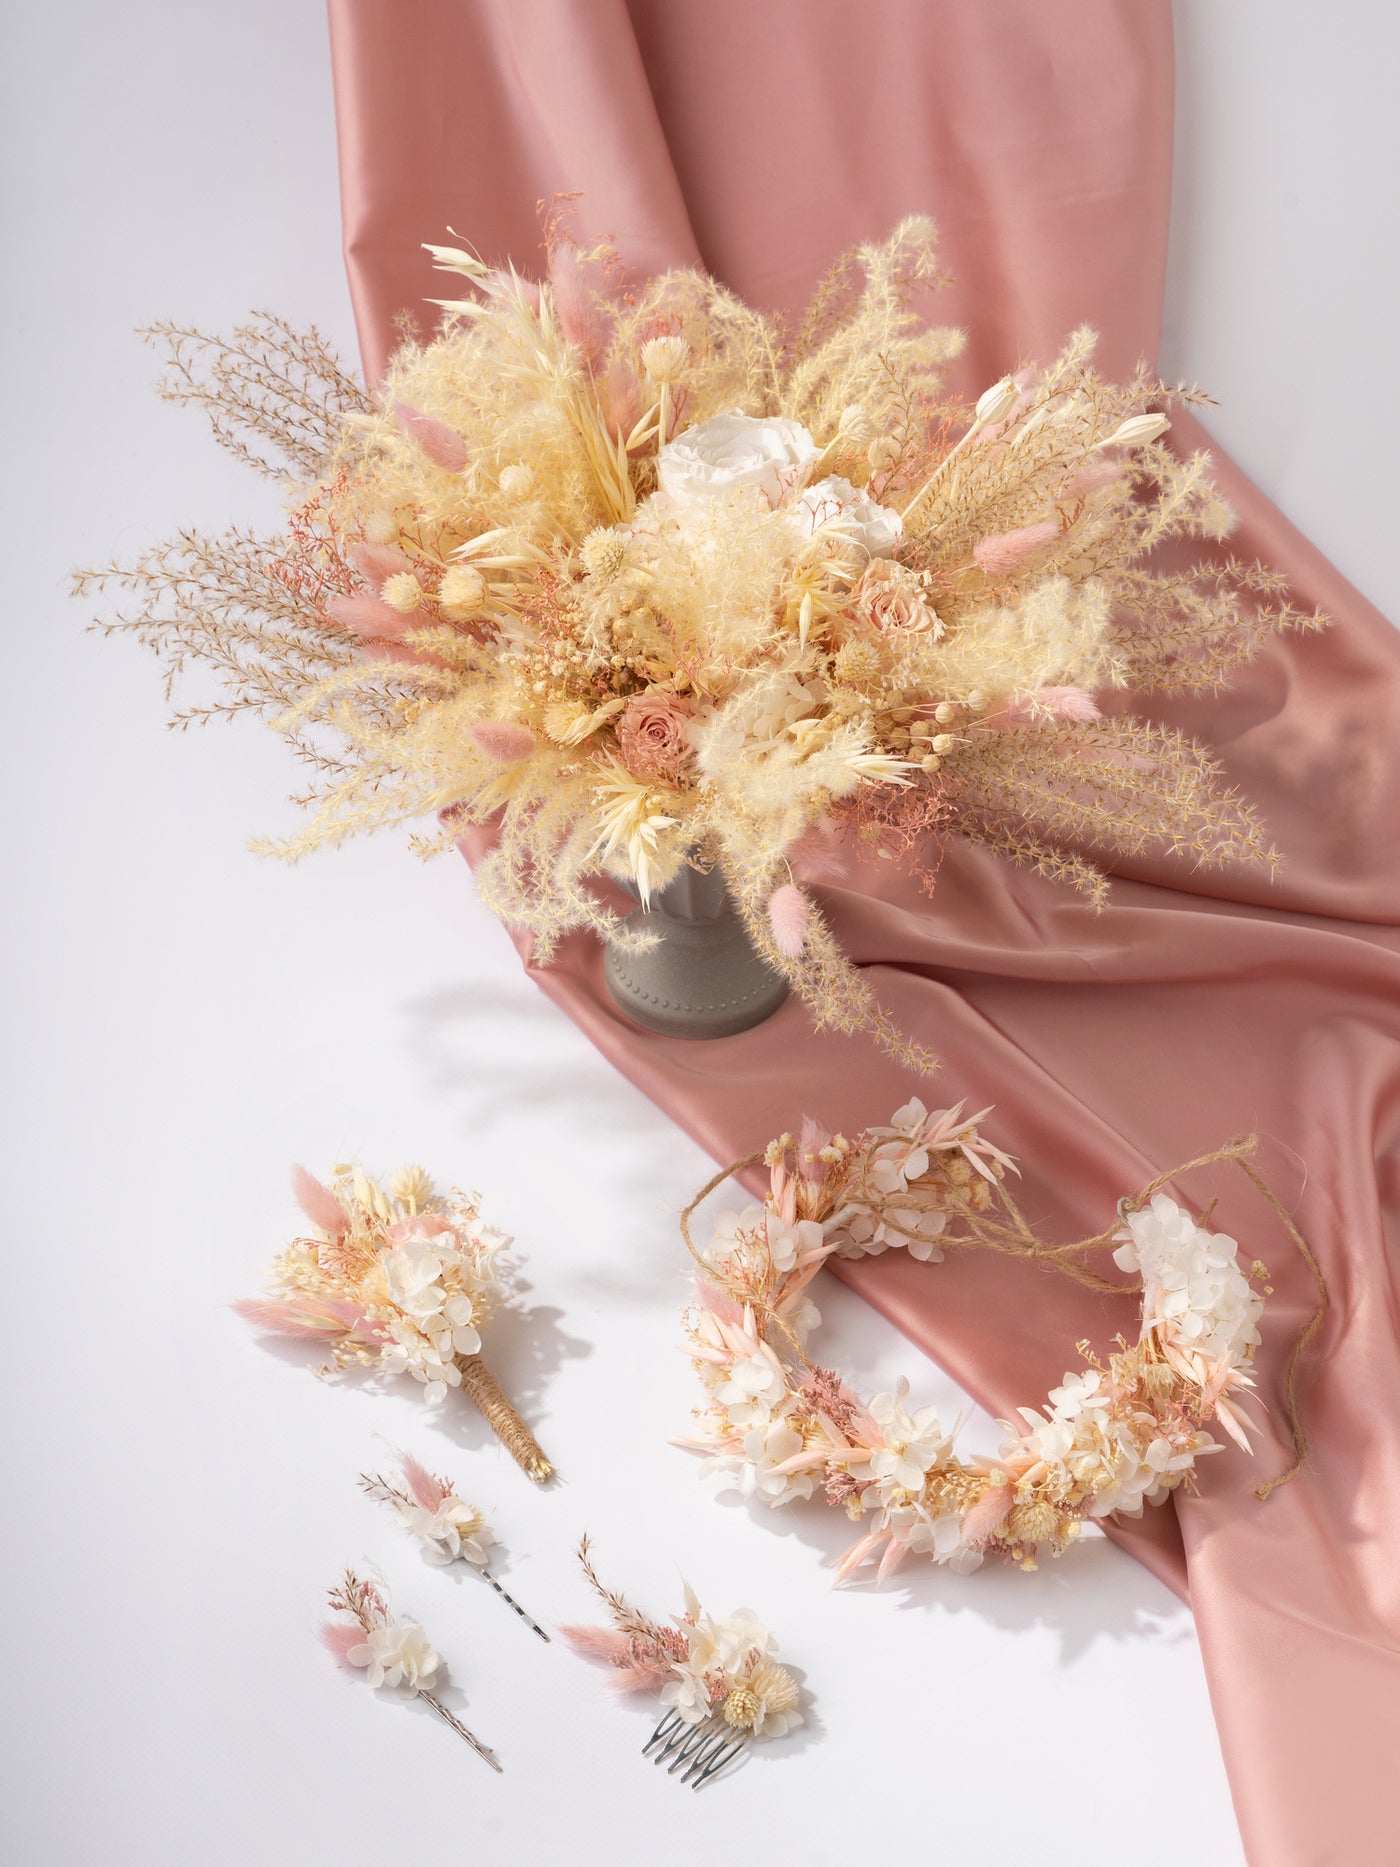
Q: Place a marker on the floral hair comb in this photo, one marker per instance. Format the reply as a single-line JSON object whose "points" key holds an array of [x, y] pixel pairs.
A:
{"points": [[449, 1529], [399, 1278], [716, 1677], [396, 1655]]}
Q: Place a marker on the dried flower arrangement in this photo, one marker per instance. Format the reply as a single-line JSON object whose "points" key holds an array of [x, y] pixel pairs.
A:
{"points": [[1124, 1431], [655, 581], [717, 1678], [399, 1278], [396, 1655], [447, 1527]]}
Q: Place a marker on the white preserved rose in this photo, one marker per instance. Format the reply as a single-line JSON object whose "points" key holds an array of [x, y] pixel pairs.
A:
{"points": [[773, 455]]}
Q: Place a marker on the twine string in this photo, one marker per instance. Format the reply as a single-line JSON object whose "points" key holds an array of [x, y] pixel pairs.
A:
{"points": [[483, 1390], [1013, 1236]]}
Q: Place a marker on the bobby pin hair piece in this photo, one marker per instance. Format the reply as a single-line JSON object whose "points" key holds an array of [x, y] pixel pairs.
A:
{"points": [[396, 1655], [448, 1528]]}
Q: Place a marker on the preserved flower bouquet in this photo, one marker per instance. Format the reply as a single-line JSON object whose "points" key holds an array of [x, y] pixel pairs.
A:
{"points": [[652, 582]]}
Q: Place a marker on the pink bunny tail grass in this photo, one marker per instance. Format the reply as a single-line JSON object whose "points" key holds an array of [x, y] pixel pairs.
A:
{"points": [[442, 445], [376, 562], [632, 1671], [366, 615], [581, 318], [1094, 474], [1002, 552], [624, 401], [789, 911], [319, 1203], [427, 1490], [718, 1304], [279, 1318], [821, 854], [502, 740], [812, 1137], [988, 1514], [338, 1638], [1064, 703]]}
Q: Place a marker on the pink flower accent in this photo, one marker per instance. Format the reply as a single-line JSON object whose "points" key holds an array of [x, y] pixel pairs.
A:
{"points": [[653, 735], [1094, 474], [583, 320], [366, 615], [442, 445], [624, 400], [376, 562], [1066, 703], [988, 1514], [302, 1316], [505, 741], [417, 1230], [427, 1490], [889, 599], [1001, 553], [319, 1203], [788, 913], [339, 1636]]}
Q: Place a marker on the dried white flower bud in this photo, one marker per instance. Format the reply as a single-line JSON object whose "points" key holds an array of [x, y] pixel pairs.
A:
{"points": [[453, 259], [1137, 430], [882, 453], [402, 592], [663, 358], [856, 426], [945, 711], [996, 402], [976, 700], [462, 592], [517, 481]]}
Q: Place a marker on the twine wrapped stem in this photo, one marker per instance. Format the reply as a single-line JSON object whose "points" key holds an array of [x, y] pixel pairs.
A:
{"points": [[482, 1389]]}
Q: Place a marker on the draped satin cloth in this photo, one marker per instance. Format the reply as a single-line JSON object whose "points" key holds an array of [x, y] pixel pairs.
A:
{"points": [[759, 138]]}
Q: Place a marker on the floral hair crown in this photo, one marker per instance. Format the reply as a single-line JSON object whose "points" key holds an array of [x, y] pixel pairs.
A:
{"points": [[1123, 1431], [399, 1278]]}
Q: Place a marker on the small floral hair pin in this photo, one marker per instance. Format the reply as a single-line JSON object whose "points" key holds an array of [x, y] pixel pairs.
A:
{"points": [[399, 1278], [449, 1529], [396, 1655], [717, 1678]]}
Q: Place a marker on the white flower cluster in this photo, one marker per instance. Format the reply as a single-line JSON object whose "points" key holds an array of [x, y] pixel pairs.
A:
{"points": [[771, 457], [751, 1389], [900, 1158], [438, 1281], [453, 1532], [397, 1653], [1194, 1292], [1125, 1460], [729, 1655]]}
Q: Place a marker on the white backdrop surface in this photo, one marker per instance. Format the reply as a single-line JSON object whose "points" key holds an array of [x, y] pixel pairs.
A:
{"points": [[182, 1021]]}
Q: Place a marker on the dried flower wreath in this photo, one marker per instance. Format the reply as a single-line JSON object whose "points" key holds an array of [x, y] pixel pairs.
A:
{"points": [[1122, 1432], [397, 1656], [400, 1278], [717, 1678], [656, 581]]}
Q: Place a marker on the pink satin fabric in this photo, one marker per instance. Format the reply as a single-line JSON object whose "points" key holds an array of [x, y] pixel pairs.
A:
{"points": [[760, 140]]}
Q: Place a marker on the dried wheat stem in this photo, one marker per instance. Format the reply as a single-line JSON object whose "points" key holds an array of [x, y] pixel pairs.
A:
{"points": [[482, 1389]]}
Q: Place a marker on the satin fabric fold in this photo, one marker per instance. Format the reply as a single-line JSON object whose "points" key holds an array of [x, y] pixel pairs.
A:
{"points": [[761, 140]]}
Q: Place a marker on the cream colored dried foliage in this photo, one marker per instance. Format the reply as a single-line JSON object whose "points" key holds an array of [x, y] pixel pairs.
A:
{"points": [[485, 608]]}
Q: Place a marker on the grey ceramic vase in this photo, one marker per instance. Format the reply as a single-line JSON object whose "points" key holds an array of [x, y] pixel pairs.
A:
{"points": [[702, 978]]}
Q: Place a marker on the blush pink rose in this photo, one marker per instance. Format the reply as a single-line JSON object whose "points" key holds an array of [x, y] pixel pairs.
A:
{"points": [[889, 599], [653, 735]]}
